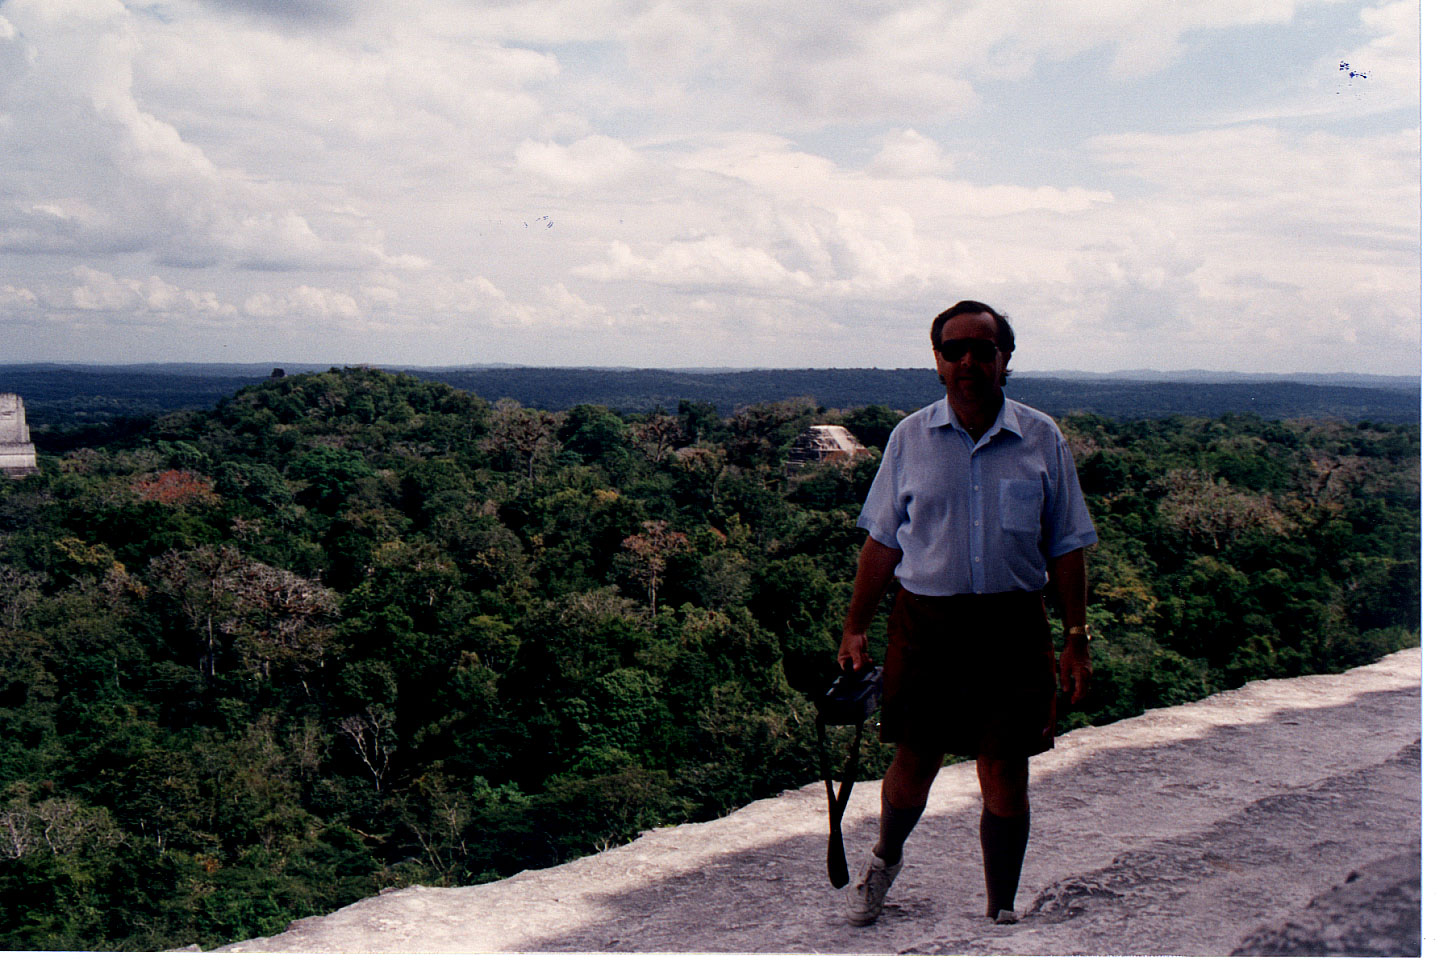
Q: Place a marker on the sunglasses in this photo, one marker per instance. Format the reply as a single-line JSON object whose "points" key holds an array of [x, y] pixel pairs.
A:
{"points": [[982, 350]]}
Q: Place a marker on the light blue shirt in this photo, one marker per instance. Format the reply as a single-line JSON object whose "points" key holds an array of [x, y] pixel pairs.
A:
{"points": [[976, 516]]}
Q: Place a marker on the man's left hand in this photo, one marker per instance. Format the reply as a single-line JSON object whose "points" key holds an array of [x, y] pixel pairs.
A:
{"points": [[1075, 672]]}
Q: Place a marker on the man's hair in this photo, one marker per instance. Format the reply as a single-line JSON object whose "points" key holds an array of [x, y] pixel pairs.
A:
{"points": [[1004, 333]]}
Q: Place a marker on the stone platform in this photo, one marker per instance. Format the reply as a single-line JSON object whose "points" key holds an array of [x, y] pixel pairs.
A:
{"points": [[1227, 825]]}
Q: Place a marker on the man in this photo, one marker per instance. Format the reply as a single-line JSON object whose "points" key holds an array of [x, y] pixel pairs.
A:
{"points": [[975, 508]]}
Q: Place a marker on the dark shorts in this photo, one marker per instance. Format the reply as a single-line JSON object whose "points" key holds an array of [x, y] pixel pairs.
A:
{"points": [[970, 674]]}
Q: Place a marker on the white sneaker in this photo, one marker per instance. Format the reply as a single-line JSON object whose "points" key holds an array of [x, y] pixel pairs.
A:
{"points": [[864, 899]]}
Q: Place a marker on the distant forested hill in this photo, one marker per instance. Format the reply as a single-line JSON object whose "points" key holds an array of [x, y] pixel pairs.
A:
{"points": [[1126, 399], [73, 397]]}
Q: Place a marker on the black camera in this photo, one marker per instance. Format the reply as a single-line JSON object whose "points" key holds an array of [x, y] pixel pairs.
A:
{"points": [[850, 698]]}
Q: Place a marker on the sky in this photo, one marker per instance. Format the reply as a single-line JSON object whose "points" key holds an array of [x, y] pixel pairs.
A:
{"points": [[1215, 184]]}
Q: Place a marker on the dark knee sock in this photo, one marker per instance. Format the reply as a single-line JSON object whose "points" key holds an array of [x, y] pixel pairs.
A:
{"points": [[895, 825], [1002, 843]]}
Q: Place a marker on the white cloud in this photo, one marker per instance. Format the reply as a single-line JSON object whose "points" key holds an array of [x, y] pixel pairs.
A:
{"points": [[476, 304], [1007, 39], [1264, 179], [838, 232], [13, 297], [715, 261], [378, 102], [565, 309], [357, 178], [1390, 60], [582, 165], [855, 61], [304, 302], [466, 296], [92, 172], [912, 61], [905, 153], [1251, 248], [791, 176], [381, 296], [118, 296]]}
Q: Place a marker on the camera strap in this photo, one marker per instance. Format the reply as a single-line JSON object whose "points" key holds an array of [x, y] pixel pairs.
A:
{"points": [[835, 855]]}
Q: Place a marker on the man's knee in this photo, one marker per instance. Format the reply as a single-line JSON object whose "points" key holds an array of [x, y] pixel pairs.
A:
{"points": [[907, 781], [1004, 784]]}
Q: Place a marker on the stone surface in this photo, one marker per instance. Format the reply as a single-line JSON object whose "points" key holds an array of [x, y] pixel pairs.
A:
{"points": [[17, 453], [1194, 830], [1374, 913]]}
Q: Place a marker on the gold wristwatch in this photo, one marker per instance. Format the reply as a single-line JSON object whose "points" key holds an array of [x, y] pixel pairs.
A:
{"points": [[1078, 631]]}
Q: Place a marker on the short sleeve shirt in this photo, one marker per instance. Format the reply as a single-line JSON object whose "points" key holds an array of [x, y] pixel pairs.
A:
{"points": [[976, 516]]}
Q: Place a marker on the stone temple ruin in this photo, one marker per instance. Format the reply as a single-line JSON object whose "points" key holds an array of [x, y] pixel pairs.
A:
{"points": [[824, 443], [17, 453]]}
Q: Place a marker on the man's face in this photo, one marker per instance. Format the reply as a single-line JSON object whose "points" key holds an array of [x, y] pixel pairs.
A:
{"points": [[970, 378]]}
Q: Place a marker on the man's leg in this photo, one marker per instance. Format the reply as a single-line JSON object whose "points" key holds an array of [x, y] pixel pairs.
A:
{"points": [[1004, 827], [903, 793], [902, 799]]}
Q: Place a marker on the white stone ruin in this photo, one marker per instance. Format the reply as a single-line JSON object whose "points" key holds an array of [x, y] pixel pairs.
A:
{"points": [[17, 453], [821, 444]]}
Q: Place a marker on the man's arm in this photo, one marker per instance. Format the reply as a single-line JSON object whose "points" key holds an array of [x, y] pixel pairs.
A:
{"points": [[872, 575], [1067, 572]]}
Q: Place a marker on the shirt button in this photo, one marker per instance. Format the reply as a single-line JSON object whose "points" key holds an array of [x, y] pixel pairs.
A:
{"points": [[977, 523], [977, 559]]}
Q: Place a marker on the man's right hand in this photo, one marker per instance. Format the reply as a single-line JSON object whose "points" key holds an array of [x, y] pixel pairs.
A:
{"points": [[852, 655], [872, 575]]}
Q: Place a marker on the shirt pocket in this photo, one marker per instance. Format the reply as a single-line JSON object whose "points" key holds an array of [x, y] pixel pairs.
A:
{"points": [[1020, 502]]}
